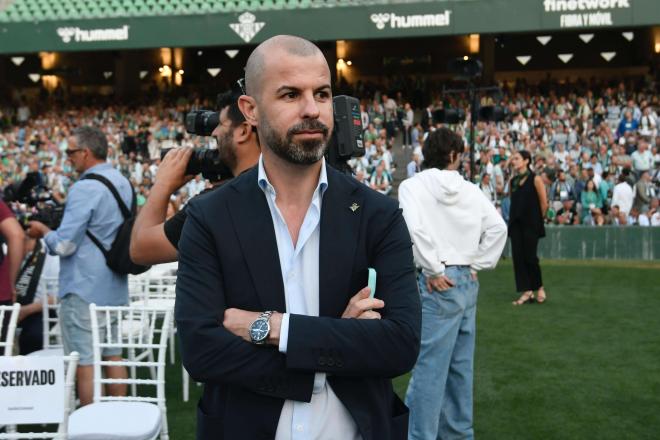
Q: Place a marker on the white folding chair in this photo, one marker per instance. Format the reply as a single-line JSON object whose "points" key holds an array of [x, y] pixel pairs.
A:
{"points": [[51, 334], [137, 287], [160, 291], [126, 417], [71, 364], [9, 313], [52, 337]]}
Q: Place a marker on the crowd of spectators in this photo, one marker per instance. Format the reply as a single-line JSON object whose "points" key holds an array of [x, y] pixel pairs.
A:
{"points": [[595, 145], [37, 142]]}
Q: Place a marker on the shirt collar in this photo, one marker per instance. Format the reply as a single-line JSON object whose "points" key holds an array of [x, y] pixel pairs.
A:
{"points": [[266, 187], [95, 168]]}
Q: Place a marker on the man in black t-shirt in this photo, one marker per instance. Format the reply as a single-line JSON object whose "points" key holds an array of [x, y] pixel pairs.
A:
{"points": [[154, 239]]}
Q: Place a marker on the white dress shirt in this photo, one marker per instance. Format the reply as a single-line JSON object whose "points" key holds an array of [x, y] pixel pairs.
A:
{"points": [[325, 417]]}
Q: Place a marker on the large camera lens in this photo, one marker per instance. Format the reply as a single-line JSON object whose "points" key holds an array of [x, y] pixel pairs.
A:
{"points": [[204, 161], [202, 122]]}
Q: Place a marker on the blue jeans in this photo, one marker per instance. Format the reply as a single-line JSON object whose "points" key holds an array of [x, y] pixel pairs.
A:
{"points": [[440, 390]]}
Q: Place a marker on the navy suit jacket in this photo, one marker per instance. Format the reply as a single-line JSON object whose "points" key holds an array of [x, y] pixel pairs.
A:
{"points": [[228, 257]]}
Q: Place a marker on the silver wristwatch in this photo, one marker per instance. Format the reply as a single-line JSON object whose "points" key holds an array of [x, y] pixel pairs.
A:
{"points": [[260, 328]]}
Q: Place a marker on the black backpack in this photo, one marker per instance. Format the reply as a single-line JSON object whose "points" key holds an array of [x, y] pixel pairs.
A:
{"points": [[118, 258]]}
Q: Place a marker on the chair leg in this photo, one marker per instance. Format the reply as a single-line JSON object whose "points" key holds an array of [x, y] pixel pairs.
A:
{"points": [[186, 384], [172, 343], [131, 357], [164, 433]]}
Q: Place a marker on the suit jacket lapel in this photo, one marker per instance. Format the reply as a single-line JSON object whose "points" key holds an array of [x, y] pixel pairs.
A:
{"points": [[254, 227], [340, 219]]}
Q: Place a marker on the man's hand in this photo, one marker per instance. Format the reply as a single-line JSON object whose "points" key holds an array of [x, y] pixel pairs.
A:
{"points": [[439, 283], [37, 229], [360, 306], [238, 322], [171, 171]]}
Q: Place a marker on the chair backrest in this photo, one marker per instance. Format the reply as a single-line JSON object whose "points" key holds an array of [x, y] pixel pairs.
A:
{"points": [[161, 287], [115, 327], [137, 286], [52, 337], [8, 317], [70, 366]]}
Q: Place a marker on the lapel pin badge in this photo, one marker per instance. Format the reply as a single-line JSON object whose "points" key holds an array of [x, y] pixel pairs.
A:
{"points": [[354, 207]]}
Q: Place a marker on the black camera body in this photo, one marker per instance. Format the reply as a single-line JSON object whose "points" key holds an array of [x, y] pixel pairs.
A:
{"points": [[48, 213], [346, 141], [38, 198], [202, 122]]}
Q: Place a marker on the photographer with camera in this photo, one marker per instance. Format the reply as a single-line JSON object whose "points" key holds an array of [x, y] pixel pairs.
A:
{"points": [[154, 238], [91, 214]]}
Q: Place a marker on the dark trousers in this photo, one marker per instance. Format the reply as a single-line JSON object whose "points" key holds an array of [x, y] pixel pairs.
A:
{"points": [[524, 245], [31, 337], [407, 136]]}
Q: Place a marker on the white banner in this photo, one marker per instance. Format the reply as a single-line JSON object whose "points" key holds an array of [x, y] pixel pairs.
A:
{"points": [[31, 389]]}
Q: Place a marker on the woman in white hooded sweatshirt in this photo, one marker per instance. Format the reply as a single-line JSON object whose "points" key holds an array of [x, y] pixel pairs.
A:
{"points": [[456, 232]]}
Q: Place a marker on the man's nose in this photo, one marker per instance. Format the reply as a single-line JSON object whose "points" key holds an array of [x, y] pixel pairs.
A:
{"points": [[309, 106], [216, 131]]}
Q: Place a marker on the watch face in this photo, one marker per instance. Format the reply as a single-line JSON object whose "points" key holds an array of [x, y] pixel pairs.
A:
{"points": [[259, 330]]}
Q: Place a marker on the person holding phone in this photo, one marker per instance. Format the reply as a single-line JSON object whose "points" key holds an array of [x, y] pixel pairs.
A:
{"points": [[456, 231]]}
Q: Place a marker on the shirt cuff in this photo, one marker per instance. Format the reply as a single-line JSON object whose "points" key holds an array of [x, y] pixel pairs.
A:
{"points": [[436, 272], [284, 333], [51, 241]]}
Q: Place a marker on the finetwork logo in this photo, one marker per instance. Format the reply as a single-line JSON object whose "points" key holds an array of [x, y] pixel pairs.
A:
{"points": [[583, 13], [68, 34], [410, 21], [583, 5], [247, 27]]}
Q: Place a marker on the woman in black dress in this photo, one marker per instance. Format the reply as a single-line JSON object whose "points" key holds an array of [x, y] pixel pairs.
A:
{"points": [[528, 206]]}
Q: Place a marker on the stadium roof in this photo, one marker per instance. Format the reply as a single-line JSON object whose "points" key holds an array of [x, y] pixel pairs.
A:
{"points": [[53, 10], [66, 25]]}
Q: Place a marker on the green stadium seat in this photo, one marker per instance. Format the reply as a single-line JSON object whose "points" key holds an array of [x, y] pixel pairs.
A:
{"points": [[267, 5]]}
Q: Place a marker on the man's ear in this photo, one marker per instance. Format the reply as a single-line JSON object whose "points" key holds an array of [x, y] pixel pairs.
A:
{"points": [[248, 107], [242, 132]]}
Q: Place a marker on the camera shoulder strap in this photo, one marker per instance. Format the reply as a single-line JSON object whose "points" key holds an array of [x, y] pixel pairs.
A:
{"points": [[105, 181], [126, 213]]}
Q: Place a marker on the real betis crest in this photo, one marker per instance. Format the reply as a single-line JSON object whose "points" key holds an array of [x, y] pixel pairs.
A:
{"points": [[248, 26]]}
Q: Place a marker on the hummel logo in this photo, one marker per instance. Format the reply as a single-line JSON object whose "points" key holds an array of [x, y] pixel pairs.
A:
{"points": [[66, 33], [380, 19]]}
